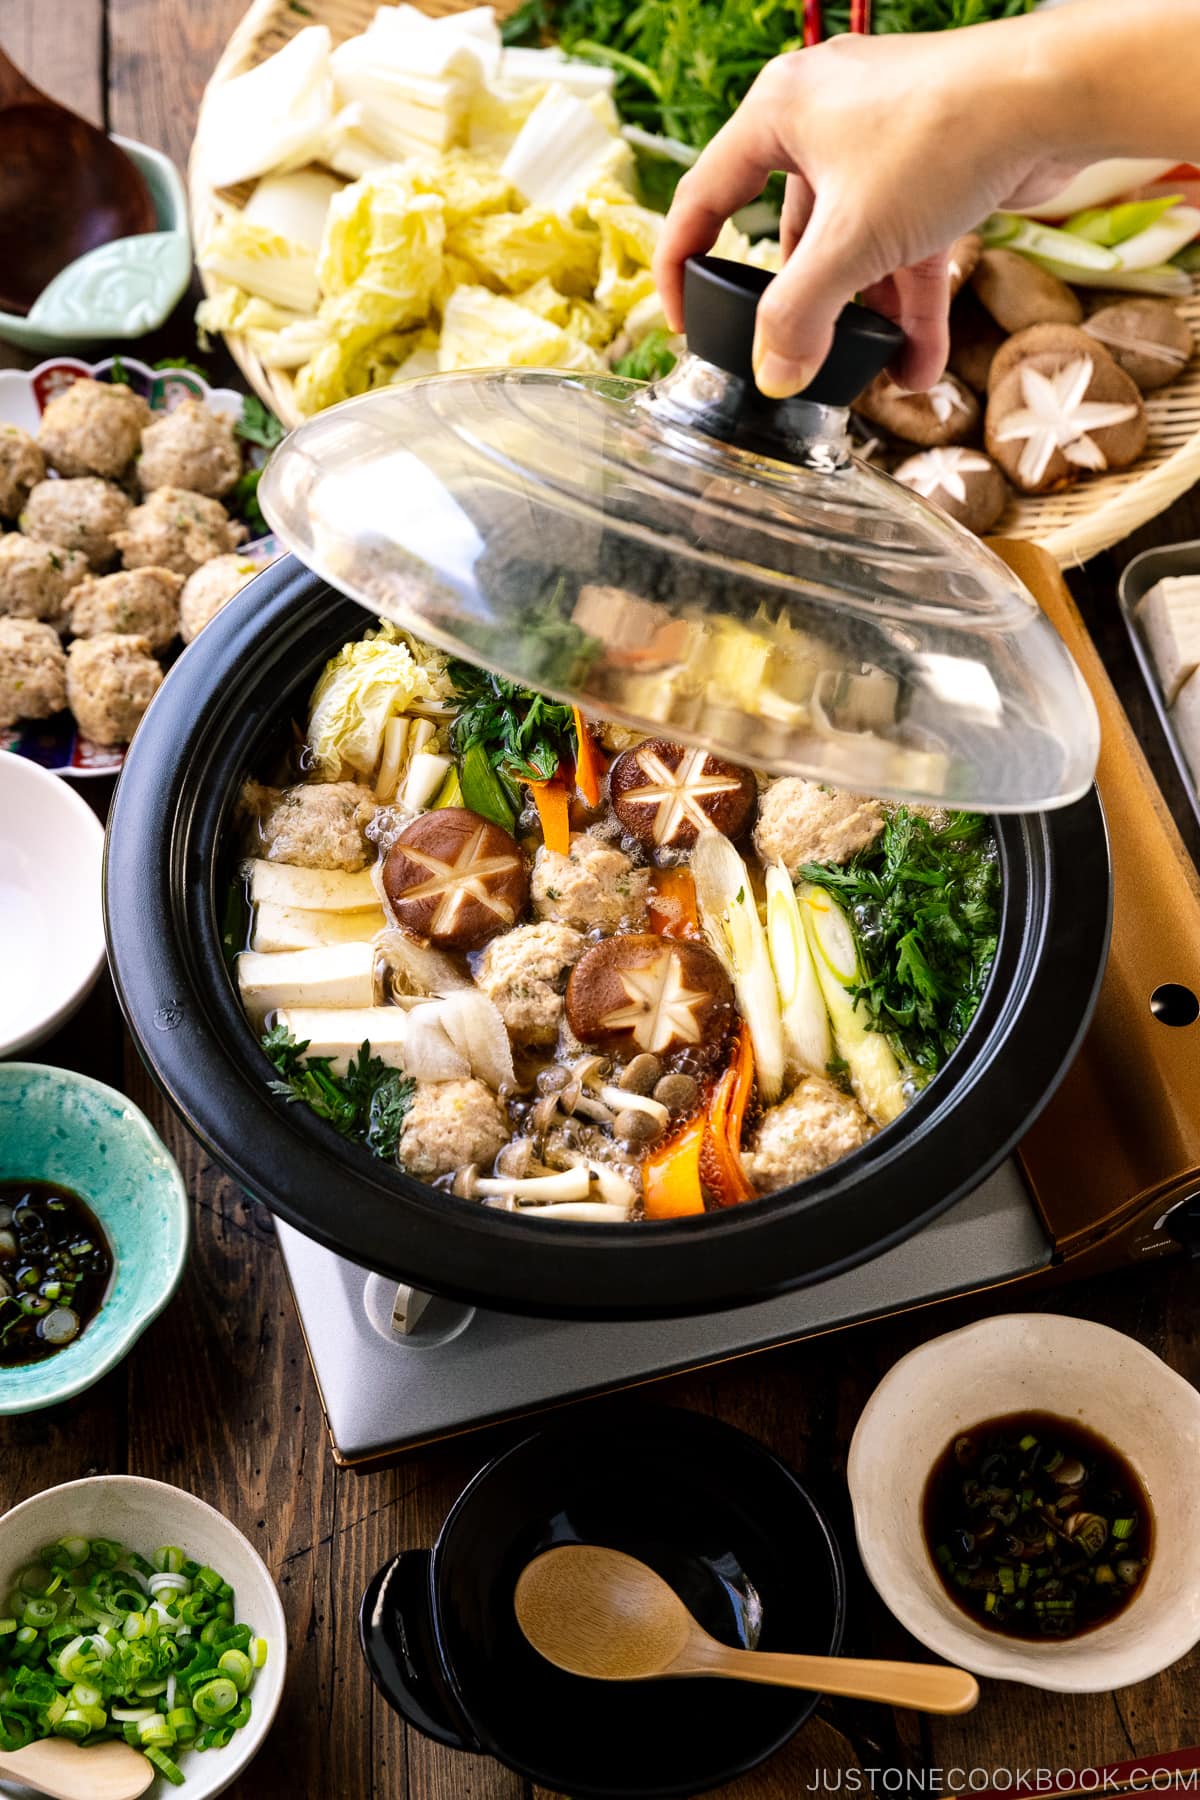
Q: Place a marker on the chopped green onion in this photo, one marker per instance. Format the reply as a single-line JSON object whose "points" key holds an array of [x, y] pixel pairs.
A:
{"points": [[1123, 1528], [162, 1762]]}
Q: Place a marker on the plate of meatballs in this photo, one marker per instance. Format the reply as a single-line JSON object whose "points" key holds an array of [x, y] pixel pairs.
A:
{"points": [[124, 495]]}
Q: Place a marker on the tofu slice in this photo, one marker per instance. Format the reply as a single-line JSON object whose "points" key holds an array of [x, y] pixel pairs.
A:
{"points": [[1169, 615], [295, 928], [339, 975], [312, 890], [340, 1032], [1185, 716]]}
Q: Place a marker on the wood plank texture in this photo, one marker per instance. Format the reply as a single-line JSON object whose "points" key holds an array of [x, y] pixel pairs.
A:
{"points": [[218, 1396]]}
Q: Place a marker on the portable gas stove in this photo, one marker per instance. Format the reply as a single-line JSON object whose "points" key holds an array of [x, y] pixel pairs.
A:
{"points": [[1109, 1175]]}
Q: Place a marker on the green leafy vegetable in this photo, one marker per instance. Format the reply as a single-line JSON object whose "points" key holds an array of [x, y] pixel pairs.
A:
{"points": [[180, 362], [649, 359], [524, 735], [242, 499], [924, 903], [682, 66], [257, 425], [369, 1102]]}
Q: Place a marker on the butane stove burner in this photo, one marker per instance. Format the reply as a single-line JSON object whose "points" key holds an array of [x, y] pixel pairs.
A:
{"points": [[462, 1366]]}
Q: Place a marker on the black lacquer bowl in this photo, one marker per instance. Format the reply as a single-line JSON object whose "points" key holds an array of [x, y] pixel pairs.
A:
{"points": [[719, 1517], [171, 856]]}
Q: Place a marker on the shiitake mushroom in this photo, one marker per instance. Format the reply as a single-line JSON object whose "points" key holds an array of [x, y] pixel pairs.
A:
{"points": [[664, 794], [454, 879], [639, 992]]}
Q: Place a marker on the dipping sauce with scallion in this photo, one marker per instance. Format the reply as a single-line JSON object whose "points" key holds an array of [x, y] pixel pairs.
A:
{"points": [[55, 1264], [1037, 1526]]}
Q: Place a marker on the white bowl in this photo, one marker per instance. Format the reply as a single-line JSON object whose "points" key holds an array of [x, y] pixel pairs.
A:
{"points": [[142, 1515], [1033, 1362], [51, 919]]}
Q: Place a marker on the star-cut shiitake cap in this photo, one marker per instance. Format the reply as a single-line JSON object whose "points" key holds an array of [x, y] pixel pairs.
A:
{"points": [[697, 562]]}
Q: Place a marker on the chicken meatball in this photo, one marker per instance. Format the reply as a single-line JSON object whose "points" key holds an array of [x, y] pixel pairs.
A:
{"points": [[22, 466], [93, 428], [802, 821], [208, 589], [36, 578], [135, 602], [524, 974], [450, 1124], [33, 671], [111, 680], [816, 1125], [593, 887], [175, 529], [319, 825], [83, 513], [190, 447]]}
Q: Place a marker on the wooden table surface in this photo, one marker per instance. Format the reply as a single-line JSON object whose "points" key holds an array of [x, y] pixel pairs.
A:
{"points": [[218, 1396]]}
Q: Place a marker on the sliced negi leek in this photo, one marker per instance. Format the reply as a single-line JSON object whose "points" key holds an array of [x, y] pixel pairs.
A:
{"points": [[734, 930], [1009, 231], [805, 1018], [876, 1077]]}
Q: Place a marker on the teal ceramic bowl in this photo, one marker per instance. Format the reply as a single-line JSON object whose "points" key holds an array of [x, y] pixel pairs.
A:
{"points": [[58, 1126], [121, 290]]}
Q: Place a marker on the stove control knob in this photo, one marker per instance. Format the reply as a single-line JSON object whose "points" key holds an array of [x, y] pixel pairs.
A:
{"points": [[1182, 1222]]}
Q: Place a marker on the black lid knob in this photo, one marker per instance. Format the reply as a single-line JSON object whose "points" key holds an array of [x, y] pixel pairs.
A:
{"points": [[720, 299]]}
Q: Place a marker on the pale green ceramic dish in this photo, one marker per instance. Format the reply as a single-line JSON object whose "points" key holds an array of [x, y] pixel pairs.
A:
{"points": [[59, 1126], [120, 290]]}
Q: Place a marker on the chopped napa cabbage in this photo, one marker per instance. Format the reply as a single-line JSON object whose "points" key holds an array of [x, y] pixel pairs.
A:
{"points": [[482, 330], [294, 206], [261, 262], [289, 347], [542, 68], [456, 272], [233, 309], [515, 249], [628, 239], [421, 360], [495, 117], [469, 185], [412, 40], [382, 234], [564, 146], [582, 318], [646, 316], [347, 147], [272, 116], [364, 686]]}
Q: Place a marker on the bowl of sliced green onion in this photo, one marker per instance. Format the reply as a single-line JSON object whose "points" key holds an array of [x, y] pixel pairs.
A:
{"points": [[134, 1611]]}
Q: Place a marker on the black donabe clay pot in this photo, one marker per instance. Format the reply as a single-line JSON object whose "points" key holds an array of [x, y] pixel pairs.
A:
{"points": [[722, 1520], [171, 854]]}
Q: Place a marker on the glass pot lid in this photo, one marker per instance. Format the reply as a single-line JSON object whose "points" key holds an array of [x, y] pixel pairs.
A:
{"points": [[698, 562]]}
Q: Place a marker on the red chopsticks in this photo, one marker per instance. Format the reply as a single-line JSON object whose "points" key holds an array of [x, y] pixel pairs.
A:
{"points": [[814, 31]]}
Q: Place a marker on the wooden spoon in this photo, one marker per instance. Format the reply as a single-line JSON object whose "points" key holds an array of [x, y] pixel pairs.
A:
{"points": [[65, 188], [603, 1614], [109, 1771]]}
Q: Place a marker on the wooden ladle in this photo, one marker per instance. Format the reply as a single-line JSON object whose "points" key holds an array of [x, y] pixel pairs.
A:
{"points": [[109, 1771], [65, 188], [603, 1614]]}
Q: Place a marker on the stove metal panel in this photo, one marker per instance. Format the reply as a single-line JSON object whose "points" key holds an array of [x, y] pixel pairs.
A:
{"points": [[465, 1368]]}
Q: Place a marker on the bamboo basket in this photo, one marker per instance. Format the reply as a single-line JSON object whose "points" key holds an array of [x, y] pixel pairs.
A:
{"points": [[1072, 526]]}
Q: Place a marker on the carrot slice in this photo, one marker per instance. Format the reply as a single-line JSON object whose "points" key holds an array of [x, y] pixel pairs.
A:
{"points": [[672, 904], [721, 1161], [554, 811], [589, 763], [671, 1175]]}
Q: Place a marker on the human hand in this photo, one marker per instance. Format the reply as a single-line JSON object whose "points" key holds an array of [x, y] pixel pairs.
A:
{"points": [[893, 147]]}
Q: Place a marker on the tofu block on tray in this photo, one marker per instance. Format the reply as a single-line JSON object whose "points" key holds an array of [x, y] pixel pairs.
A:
{"points": [[1185, 716], [1169, 617]]}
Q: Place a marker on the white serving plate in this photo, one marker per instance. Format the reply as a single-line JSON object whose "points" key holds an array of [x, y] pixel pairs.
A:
{"points": [[24, 395]]}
